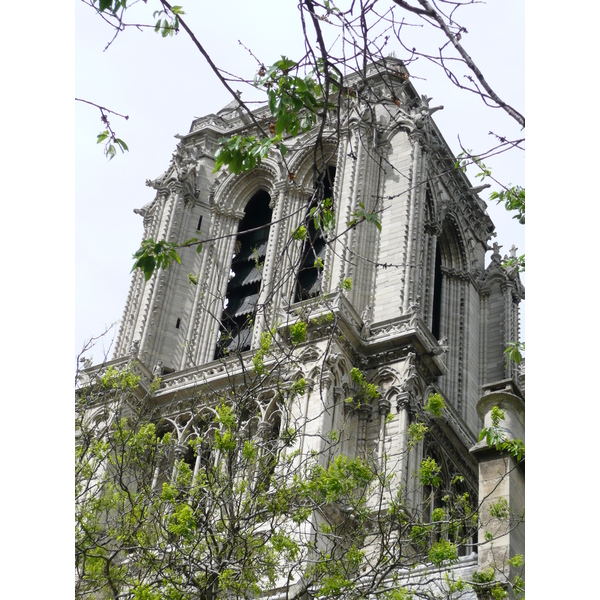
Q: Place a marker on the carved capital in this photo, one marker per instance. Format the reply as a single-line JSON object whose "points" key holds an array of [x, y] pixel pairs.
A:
{"points": [[384, 406], [263, 430], [365, 408], [404, 401], [180, 451]]}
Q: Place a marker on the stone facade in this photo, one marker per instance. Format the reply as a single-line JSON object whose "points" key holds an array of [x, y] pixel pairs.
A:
{"points": [[424, 314]]}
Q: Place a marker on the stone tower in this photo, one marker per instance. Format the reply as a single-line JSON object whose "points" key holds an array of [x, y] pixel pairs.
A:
{"points": [[411, 303]]}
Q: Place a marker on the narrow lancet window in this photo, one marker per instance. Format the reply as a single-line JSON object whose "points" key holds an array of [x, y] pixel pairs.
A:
{"points": [[437, 294], [245, 277]]}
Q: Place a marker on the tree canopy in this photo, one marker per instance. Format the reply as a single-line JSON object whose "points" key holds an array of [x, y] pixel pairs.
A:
{"points": [[238, 510]]}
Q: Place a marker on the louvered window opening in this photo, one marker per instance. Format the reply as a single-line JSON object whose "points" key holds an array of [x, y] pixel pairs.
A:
{"points": [[309, 283], [245, 280]]}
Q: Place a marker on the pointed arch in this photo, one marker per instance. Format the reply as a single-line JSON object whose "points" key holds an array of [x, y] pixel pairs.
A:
{"points": [[452, 245], [232, 193]]}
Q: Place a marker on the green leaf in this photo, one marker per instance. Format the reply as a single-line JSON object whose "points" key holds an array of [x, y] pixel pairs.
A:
{"points": [[285, 64], [110, 152], [122, 144], [272, 102], [104, 4]]}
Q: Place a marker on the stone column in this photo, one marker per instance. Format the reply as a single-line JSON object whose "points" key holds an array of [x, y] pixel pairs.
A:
{"points": [[501, 487], [266, 288], [384, 410], [403, 411], [409, 290]]}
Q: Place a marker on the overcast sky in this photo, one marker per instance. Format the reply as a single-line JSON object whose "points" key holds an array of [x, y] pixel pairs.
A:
{"points": [[163, 84]]}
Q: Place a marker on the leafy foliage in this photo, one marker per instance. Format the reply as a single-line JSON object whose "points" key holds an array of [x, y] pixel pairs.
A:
{"points": [[235, 507], [514, 352], [365, 392], [495, 437], [429, 472], [298, 333], [111, 143], [362, 214], [435, 405], [241, 153], [155, 255], [167, 23], [513, 199], [323, 215], [293, 100]]}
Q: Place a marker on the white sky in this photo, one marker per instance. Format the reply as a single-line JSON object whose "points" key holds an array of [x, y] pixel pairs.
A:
{"points": [[162, 84], [49, 58]]}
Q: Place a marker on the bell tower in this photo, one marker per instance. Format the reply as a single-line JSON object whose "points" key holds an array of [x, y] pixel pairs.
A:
{"points": [[404, 303]]}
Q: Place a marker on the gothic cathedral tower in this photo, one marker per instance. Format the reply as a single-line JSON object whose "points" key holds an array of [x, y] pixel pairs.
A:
{"points": [[407, 301]]}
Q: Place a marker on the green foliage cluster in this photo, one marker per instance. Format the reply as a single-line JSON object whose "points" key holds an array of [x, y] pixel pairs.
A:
{"points": [[298, 388], [167, 23], [362, 214], [514, 352], [141, 528], [443, 552], [513, 199], [484, 576], [499, 509], [322, 215], [300, 233], [111, 143], [110, 5], [293, 101], [495, 437], [339, 481], [429, 472], [242, 153], [119, 379], [398, 594], [155, 255], [435, 405], [366, 391], [417, 429], [322, 320], [494, 590], [232, 515], [266, 339], [298, 332], [416, 433], [346, 284]]}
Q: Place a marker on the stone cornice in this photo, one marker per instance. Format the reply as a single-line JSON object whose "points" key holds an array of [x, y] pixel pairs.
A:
{"points": [[91, 375], [384, 339]]}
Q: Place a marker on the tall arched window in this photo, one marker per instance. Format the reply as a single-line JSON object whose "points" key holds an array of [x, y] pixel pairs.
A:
{"points": [[245, 277], [437, 294], [308, 283]]}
